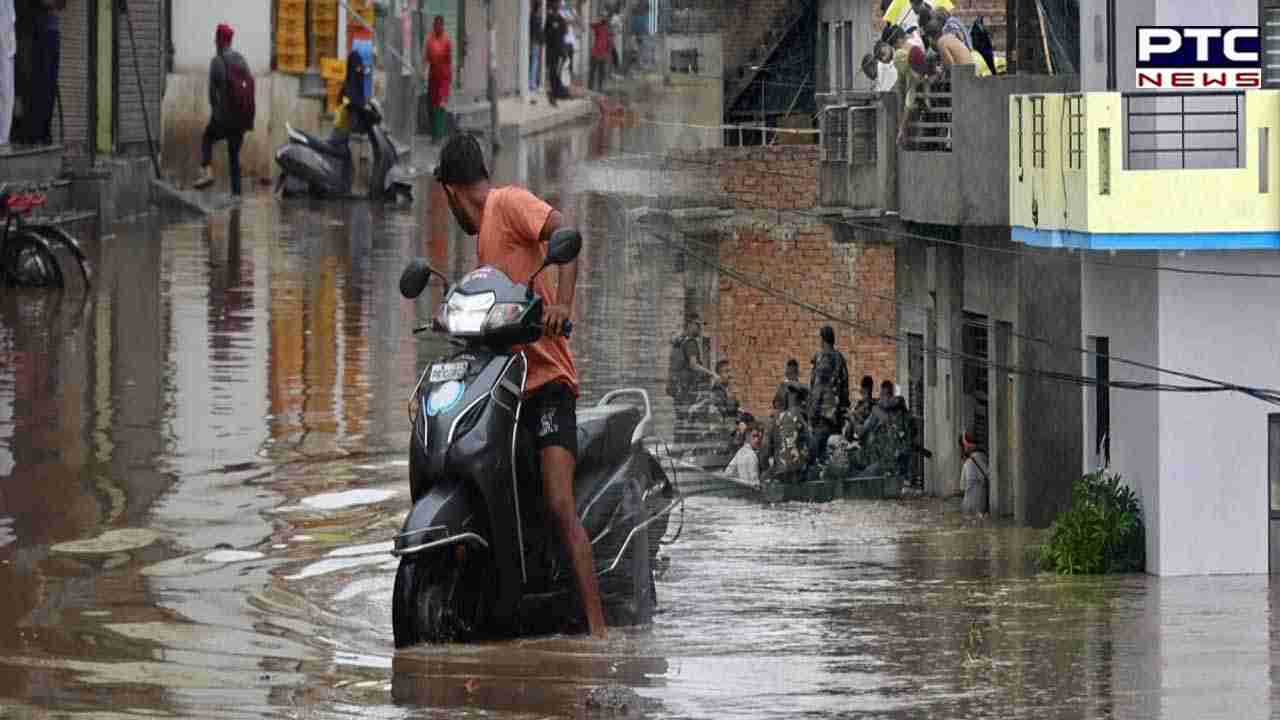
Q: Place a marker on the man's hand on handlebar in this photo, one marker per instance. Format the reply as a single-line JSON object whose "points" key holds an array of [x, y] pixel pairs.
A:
{"points": [[554, 319]]}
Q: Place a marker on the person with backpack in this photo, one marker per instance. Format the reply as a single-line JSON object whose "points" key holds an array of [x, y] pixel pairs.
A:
{"points": [[231, 99]]}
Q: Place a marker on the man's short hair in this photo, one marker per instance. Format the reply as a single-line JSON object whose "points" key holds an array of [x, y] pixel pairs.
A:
{"points": [[828, 335], [461, 161], [793, 363], [868, 383], [886, 387]]}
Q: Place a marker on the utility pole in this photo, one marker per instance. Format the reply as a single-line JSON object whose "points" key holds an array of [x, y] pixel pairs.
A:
{"points": [[493, 75]]}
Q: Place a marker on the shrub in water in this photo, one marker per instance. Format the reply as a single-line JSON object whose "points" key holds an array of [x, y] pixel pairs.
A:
{"points": [[1101, 533]]}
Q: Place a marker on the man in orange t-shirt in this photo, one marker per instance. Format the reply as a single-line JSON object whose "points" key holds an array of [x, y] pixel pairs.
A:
{"points": [[513, 227]]}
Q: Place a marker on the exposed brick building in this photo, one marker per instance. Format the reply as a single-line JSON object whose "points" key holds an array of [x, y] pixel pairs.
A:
{"points": [[776, 240]]}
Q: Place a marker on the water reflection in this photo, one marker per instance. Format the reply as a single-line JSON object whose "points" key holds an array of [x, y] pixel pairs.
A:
{"points": [[237, 386]]}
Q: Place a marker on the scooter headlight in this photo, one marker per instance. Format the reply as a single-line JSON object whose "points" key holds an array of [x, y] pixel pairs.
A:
{"points": [[503, 315], [465, 314]]}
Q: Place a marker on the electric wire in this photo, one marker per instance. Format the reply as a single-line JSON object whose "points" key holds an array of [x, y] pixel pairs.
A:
{"points": [[1031, 338], [1263, 394]]}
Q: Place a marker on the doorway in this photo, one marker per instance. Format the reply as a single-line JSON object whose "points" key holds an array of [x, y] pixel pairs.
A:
{"points": [[1273, 490], [35, 72], [976, 382]]}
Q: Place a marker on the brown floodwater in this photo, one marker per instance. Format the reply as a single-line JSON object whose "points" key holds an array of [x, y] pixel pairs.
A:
{"points": [[200, 471]]}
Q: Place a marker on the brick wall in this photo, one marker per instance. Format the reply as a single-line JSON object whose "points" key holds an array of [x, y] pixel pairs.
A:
{"points": [[778, 177], [796, 255], [759, 333]]}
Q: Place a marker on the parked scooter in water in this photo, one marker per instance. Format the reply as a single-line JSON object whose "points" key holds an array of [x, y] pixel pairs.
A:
{"points": [[477, 554], [325, 168]]}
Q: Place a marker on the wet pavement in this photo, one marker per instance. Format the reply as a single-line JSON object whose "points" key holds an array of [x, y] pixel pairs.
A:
{"points": [[201, 468]]}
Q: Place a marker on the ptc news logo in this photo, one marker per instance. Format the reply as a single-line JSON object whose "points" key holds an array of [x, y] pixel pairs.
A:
{"points": [[1191, 58]]}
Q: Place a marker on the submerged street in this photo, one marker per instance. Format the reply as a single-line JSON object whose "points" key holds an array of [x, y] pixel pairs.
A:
{"points": [[201, 469]]}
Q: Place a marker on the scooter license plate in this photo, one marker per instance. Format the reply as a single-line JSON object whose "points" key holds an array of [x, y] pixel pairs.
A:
{"points": [[444, 372]]}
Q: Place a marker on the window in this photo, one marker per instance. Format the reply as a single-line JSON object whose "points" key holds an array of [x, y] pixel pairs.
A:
{"points": [[862, 135], [1264, 168], [976, 388], [1104, 161], [1075, 132], [824, 61], [1037, 132], [1018, 103], [837, 49], [1102, 400], [849, 55], [1270, 16], [835, 134], [1273, 464], [1181, 130]]}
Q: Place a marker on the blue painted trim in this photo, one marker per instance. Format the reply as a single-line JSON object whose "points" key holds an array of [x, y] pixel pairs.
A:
{"points": [[1147, 241]]}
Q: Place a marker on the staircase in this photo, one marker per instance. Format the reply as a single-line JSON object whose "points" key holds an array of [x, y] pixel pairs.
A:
{"points": [[752, 61]]}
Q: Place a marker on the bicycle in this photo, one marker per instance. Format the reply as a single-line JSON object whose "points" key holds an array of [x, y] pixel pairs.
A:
{"points": [[29, 252]]}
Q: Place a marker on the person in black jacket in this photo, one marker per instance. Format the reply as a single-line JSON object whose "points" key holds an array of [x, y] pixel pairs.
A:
{"points": [[222, 126], [553, 35], [535, 46]]}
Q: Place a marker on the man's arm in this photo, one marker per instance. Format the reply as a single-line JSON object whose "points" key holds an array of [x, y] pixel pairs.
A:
{"points": [[555, 316]]}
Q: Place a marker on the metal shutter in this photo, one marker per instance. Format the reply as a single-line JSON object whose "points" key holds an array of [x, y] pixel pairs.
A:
{"points": [[148, 31], [73, 80]]}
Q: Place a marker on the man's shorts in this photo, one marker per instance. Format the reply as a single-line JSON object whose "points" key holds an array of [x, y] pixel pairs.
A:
{"points": [[550, 415]]}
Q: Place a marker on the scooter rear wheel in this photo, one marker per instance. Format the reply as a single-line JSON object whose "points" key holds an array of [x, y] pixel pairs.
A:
{"points": [[438, 599]]}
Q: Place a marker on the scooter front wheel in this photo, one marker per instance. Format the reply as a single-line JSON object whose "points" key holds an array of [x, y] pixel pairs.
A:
{"points": [[438, 598]]}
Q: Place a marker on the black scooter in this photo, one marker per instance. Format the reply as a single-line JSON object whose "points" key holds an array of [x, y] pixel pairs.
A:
{"points": [[312, 166], [477, 555]]}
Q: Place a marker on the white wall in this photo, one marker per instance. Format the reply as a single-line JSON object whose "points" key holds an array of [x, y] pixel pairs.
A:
{"points": [[1213, 448], [1121, 305], [194, 22]]}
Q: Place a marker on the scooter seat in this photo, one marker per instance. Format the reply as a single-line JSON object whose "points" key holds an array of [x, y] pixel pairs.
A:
{"points": [[604, 434]]}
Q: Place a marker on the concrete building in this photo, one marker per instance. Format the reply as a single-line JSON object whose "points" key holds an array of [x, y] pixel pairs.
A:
{"points": [[1083, 224], [1199, 199], [110, 80]]}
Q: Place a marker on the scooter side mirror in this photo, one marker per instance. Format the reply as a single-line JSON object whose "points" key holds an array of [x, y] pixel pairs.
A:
{"points": [[415, 277], [564, 246]]}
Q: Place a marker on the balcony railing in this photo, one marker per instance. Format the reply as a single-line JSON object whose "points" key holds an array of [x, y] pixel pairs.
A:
{"points": [[930, 129], [1178, 131]]}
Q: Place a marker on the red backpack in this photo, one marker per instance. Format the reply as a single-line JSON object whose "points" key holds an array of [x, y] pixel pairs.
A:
{"points": [[240, 95]]}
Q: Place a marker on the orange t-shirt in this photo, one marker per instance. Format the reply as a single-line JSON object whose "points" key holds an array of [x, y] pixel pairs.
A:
{"points": [[509, 240]]}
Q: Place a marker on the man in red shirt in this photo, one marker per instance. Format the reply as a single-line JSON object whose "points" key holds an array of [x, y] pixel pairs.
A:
{"points": [[513, 227], [600, 52]]}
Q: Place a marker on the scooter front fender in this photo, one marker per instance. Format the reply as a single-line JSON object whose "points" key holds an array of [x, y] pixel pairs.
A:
{"points": [[445, 516]]}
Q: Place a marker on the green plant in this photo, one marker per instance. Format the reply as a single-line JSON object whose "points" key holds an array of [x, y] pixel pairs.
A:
{"points": [[1103, 531]]}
